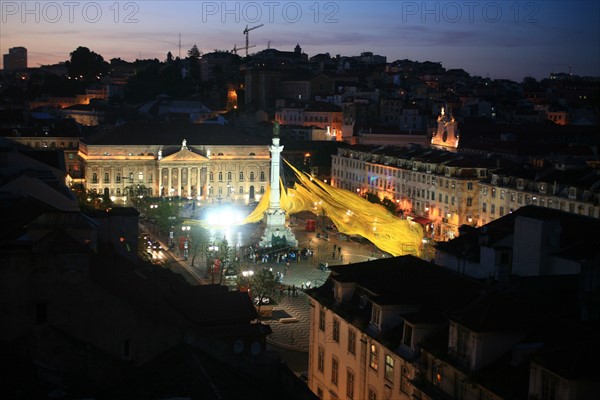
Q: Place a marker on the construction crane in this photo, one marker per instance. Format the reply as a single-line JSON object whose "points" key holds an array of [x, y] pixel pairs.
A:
{"points": [[235, 48], [246, 31]]}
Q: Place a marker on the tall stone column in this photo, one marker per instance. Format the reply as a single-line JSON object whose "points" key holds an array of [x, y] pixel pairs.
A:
{"points": [[276, 232], [179, 181]]}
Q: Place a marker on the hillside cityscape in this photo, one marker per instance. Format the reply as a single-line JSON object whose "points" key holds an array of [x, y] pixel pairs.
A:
{"points": [[211, 226]]}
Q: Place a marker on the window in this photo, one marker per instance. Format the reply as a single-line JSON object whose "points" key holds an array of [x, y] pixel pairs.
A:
{"points": [[321, 360], [220, 176], [407, 337], [334, 370], [469, 185], [211, 176], [262, 190], [241, 176], [262, 176], [374, 357], [548, 387], [502, 192], [106, 177], [94, 178], [389, 368], [404, 387], [350, 384], [493, 193], [484, 207], [372, 394], [319, 392], [461, 341], [322, 320], [118, 178], [141, 176], [241, 190], [351, 341], [501, 211], [469, 201], [131, 177], [376, 317], [493, 209], [251, 176], [229, 176], [336, 330]]}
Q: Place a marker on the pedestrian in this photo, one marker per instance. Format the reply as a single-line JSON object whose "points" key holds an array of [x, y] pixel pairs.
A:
{"points": [[340, 250], [294, 290], [289, 289], [341, 258], [334, 247], [333, 255]]}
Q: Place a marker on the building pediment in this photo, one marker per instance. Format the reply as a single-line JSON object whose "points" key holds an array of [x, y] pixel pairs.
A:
{"points": [[184, 155]]}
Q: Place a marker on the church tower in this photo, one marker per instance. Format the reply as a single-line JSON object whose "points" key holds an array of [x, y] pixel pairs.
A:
{"points": [[446, 135]]}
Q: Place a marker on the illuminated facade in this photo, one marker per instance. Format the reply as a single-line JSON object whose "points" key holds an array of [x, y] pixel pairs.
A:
{"points": [[207, 162], [436, 188], [446, 135], [572, 191]]}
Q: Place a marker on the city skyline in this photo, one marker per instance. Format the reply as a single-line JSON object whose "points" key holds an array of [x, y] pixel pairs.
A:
{"points": [[502, 40]]}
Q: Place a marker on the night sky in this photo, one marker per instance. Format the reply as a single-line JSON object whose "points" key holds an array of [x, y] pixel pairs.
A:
{"points": [[499, 39]]}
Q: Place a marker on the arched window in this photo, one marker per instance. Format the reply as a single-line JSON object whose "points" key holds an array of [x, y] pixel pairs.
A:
{"points": [[220, 176], [241, 176], [262, 190], [118, 191], [262, 176], [131, 177], [141, 176], [94, 178], [251, 176], [106, 178], [229, 176]]}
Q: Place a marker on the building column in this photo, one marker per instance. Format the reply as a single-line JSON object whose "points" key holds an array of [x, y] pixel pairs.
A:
{"points": [[160, 181], [189, 181], [199, 182], [179, 181], [170, 181]]}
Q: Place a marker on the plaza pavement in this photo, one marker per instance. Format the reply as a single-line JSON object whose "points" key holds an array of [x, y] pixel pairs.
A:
{"points": [[290, 320]]}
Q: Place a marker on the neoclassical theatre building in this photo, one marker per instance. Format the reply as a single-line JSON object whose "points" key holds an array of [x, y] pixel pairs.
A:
{"points": [[200, 161]]}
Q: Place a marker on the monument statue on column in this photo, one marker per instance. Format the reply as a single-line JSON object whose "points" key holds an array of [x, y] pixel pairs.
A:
{"points": [[276, 232]]}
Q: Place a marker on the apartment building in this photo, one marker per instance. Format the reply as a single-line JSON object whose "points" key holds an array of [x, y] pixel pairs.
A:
{"points": [[436, 188], [426, 332], [576, 190]]}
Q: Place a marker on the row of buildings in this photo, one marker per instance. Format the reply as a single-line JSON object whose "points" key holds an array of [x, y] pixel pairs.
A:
{"points": [[485, 322]]}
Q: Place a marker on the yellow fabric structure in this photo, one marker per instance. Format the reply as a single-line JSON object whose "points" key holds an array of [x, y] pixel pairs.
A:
{"points": [[351, 214]]}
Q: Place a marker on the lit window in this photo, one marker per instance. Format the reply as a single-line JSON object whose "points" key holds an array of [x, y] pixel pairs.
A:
{"points": [[389, 368], [374, 357]]}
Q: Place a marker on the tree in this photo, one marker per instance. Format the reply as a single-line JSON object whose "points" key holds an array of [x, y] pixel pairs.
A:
{"points": [[90, 200], [390, 205], [194, 52], [87, 65], [169, 57], [263, 285], [199, 240]]}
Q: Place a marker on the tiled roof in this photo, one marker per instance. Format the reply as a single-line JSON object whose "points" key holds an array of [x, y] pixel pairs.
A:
{"points": [[155, 133]]}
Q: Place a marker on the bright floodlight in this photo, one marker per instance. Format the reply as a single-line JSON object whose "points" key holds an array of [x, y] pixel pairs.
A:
{"points": [[224, 216]]}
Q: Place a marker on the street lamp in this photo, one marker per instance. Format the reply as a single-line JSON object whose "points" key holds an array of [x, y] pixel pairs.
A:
{"points": [[186, 231]]}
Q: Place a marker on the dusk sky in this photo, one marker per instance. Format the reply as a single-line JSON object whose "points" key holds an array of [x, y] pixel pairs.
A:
{"points": [[499, 39]]}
